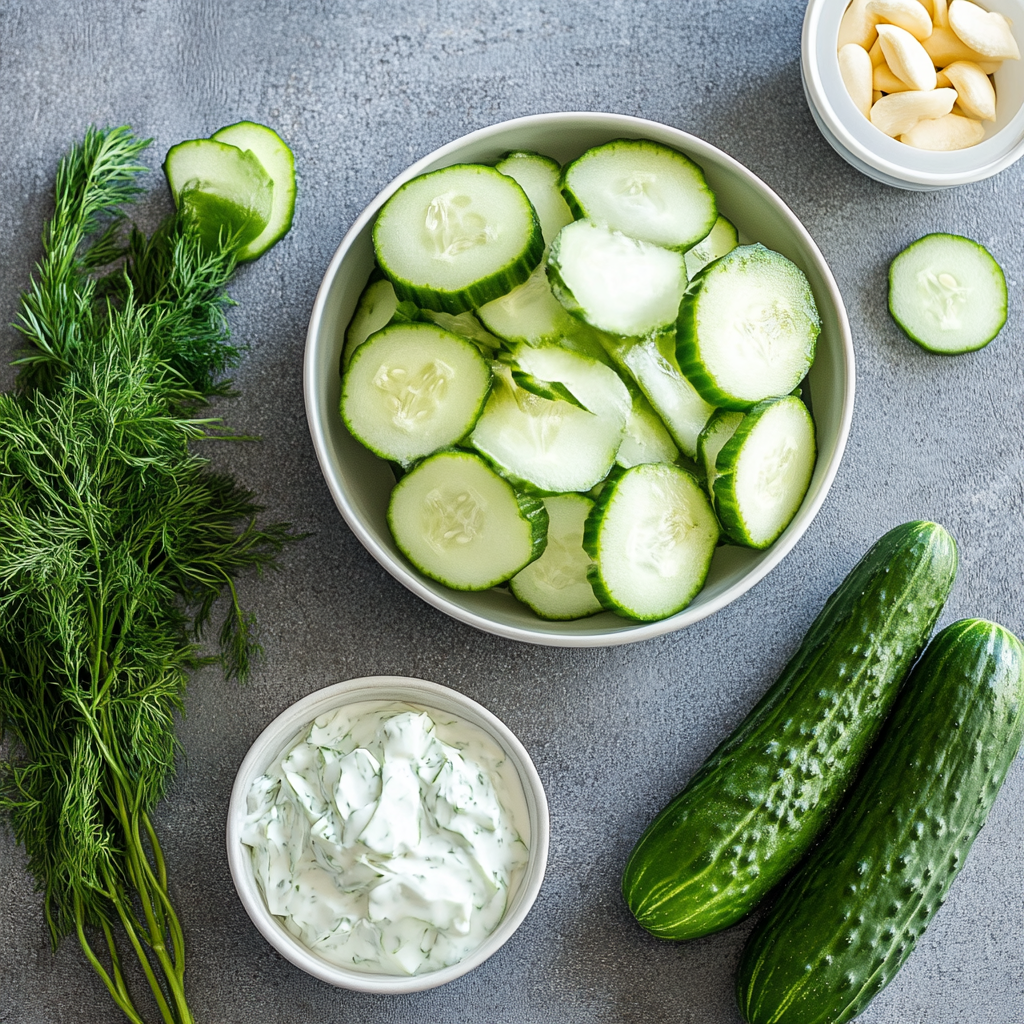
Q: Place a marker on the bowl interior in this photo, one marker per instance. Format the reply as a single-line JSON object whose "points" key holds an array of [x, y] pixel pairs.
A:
{"points": [[361, 484], [1004, 137], [287, 729]]}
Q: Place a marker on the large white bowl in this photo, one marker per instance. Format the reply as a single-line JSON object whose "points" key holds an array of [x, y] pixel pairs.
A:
{"points": [[285, 730], [872, 152], [360, 483]]}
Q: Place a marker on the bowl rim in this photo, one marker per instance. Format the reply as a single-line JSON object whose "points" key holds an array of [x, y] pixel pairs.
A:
{"points": [[696, 148], [959, 170], [285, 727]]}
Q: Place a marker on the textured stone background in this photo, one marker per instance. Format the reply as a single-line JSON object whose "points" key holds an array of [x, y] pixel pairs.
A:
{"points": [[360, 90]]}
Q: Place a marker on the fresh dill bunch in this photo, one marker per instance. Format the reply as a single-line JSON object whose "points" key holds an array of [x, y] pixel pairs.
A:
{"points": [[116, 542]]}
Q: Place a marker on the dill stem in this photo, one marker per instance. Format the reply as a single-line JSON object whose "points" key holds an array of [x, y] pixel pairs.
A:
{"points": [[117, 990]]}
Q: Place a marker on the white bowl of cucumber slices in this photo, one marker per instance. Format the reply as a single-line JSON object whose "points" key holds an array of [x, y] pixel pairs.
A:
{"points": [[440, 371]]}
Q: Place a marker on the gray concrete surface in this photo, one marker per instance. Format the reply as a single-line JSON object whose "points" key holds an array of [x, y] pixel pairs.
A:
{"points": [[360, 89]]}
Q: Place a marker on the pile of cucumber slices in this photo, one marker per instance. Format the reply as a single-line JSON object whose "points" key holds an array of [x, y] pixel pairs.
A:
{"points": [[239, 185], [582, 379]]}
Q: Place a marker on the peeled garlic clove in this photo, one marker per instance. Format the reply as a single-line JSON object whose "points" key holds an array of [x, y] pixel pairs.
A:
{"points": [[944, 46], [944, 134], [975, 94], [990, 67], [875, 53], [940, 13], [885, 81], [857, 26], [909, 15], [906, 57], [897, 114], [941, 81], [855, 67], [986, 32]]}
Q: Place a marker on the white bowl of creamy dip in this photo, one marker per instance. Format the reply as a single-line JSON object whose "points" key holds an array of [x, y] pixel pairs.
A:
{"points": [[387, 834]]}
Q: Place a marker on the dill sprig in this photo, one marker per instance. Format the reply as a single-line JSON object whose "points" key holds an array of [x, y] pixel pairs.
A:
{"points": [[116, 542]]}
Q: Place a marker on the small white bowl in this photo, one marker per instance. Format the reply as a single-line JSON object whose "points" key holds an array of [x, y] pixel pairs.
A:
{"points": [[886, 160], [361, 484], [287, 729]]}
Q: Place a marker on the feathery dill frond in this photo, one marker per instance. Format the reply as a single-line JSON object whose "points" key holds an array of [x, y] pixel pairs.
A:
{"points": [[116, 544]]}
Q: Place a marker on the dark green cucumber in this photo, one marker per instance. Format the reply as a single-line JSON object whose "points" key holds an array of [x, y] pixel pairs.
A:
{"points": [[760, 801], [852, 914]]}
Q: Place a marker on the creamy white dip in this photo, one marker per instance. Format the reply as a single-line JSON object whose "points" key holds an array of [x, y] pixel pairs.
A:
{"points": [[388, 838]]}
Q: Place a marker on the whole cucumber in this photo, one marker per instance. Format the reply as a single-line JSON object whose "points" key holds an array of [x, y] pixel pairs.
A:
{"points": [[852, 914], [764, 796]]}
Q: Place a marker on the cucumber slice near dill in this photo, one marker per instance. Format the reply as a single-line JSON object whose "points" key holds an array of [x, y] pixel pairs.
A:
{"points": [[115, 543]]}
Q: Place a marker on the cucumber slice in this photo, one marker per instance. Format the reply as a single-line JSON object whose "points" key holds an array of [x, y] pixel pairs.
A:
{"points": [[712, 440], [227, 189], [374, 310], [555, 586], [529, 313], [591, 384], [456, 238], [269, 148], [651, 536], [644, 190], [412, 389], [948, 294], [722, 239], [646, 438], [538, 176], [615, 283], [651, 363], [459, 523], [551, 446], [747, 328], [467, 326], [764, 470]]}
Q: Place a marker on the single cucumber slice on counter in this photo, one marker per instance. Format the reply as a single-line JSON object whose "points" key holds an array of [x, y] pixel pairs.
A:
{"points": [[555, 586], [552, 446], [760, 802], [948, 294], [269, 148], [763, 471], [538, 176], [644, 190], [747, 328], [461, 524], [529, 313], [614, 282], [646, 438], [651, 536], [456, 238], [848, 918], [412, 389], [722, 239], [227, 189], [712, 440]]}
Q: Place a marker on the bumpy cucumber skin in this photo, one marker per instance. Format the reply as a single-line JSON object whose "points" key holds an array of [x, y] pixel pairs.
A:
{"points": [[760, 801], [479, 292], [688, 353], [853, 913], [724, 497]]}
